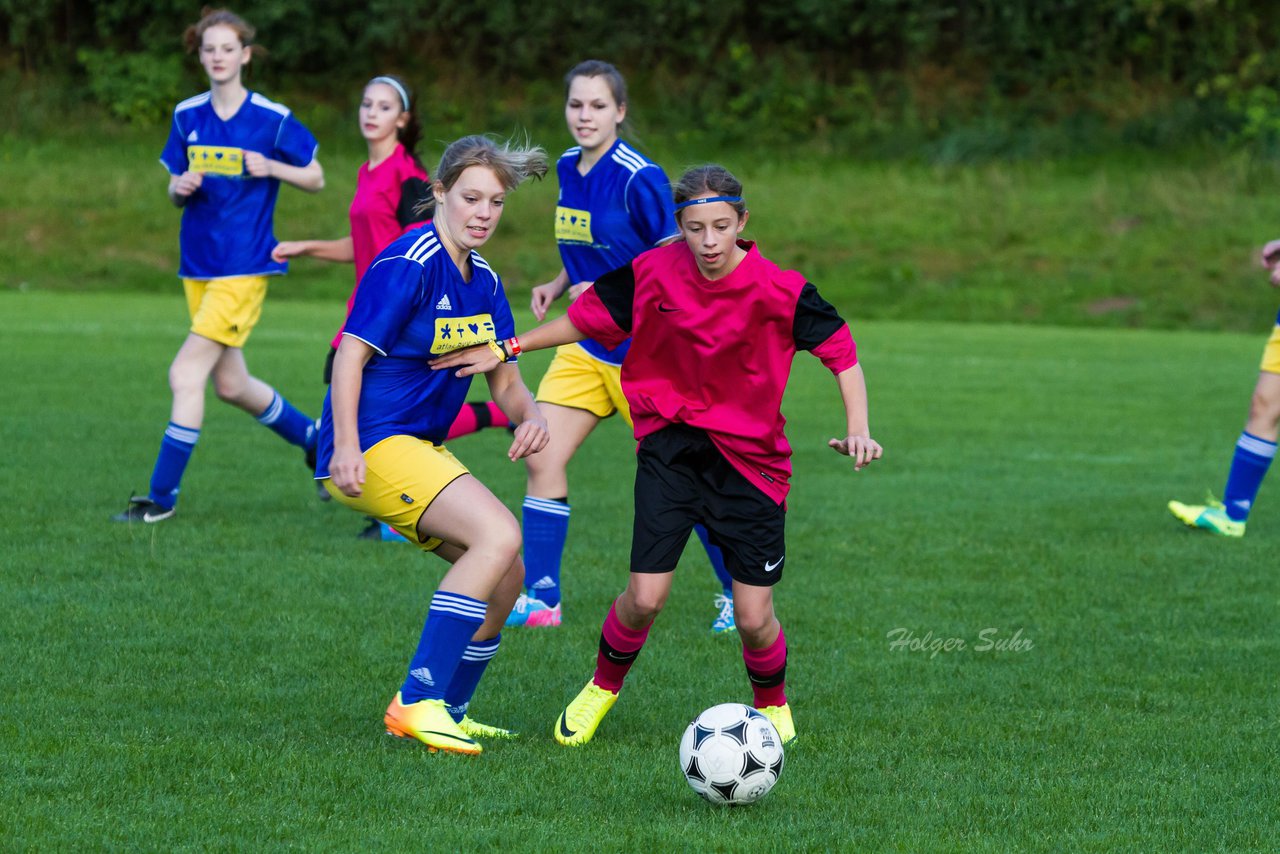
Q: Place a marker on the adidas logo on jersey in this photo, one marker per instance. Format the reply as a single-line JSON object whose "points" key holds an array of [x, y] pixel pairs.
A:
{"points": [[423, 675], [444, 304], [544, 583], [192, 137]]}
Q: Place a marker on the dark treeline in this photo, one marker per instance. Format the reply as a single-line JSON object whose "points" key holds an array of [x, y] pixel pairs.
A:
{"points": [[785, 67]]}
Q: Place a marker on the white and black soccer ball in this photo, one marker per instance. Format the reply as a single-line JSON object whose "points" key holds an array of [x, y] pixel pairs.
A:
{"points": [[731, 754]]}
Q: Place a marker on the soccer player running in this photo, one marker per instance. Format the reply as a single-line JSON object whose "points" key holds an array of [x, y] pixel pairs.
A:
{"points": [[386, 415], [1256, 447], [714, 329], [614, 204], [227, 154], [390, 187]]}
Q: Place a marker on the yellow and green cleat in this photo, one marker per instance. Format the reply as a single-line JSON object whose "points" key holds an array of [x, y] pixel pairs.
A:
{"points": [[780, 717], [578, 722], [475, 729], [1210, 517], [430, 723]]}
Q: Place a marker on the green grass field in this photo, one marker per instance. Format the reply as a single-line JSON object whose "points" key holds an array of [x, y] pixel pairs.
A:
{"points": [[217, 682], [1127, 240]]}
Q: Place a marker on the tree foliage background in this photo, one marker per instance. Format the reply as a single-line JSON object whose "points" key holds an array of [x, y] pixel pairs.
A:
{"points": [[840, 70]]}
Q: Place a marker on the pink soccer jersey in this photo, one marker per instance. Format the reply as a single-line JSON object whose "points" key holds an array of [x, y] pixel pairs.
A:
{"points": [[382, 210], [715, 355]]}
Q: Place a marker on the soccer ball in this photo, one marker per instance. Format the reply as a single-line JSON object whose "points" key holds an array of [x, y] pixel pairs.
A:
{"points": [[731, 754]]}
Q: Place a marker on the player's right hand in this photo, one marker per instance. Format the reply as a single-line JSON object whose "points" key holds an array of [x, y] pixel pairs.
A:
{"points": [[1271, 254], [346, 470], [479, 359], [188, 183], [543, 296], [287, 249]]}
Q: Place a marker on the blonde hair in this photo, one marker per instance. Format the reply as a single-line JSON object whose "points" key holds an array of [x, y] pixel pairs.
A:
{"points": [[512, 163]]}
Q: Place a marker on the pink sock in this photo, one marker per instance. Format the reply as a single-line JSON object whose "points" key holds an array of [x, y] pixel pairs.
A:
{"points": [[474, 417], [767, 670], [619, 647]]}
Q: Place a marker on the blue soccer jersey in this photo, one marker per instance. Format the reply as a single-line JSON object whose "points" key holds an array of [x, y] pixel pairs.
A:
{"points": [[620, 208], [412, 305], [227, 222]]}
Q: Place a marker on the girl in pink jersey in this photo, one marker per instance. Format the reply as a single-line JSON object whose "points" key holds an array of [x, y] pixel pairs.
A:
{"points": [[391, 187], [714, 327]]}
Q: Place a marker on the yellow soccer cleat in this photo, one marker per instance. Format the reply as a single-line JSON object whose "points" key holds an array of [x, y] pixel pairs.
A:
{"points": [[579, 720], [475, 729], [780, 717], [429, 722], [1211, 517]]}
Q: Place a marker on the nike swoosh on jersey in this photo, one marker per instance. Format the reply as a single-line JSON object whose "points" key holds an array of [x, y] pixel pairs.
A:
{"points": [[663, 307], [770, 567]]}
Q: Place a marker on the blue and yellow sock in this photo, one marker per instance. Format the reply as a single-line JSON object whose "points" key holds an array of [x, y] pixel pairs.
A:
{"points": [[476, 657], [717, 560], [1249, 466], [171, 462], [290, 424], [451, 621], [546, 527]]}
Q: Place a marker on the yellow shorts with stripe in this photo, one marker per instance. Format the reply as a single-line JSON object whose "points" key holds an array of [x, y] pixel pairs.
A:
{"points": [[1271, 353], [225, 310], [579, 381], [403, 475]]}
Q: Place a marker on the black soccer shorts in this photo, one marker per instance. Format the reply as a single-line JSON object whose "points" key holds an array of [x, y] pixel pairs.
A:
{"points": [[682, 479]]}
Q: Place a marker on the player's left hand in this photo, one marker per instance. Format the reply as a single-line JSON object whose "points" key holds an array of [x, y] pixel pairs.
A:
{"points": [[531, 436], [575, 291], [257, 164], [471, 360], [863, 449]]}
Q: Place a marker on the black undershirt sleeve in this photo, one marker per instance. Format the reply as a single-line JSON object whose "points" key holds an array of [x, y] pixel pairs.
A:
{"points": [[816, 319], [617, 290], [413, 192]]}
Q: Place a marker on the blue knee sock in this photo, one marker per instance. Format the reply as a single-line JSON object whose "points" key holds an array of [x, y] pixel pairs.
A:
{"points": [[546, 526], [1248, 467], [457, 697], [291, 425], [717, 560], [451, 621], [171, 462]]}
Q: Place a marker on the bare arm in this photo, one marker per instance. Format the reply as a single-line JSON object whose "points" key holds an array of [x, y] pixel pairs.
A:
{"points": [[182, 186], [309, 177], [857, 443], [339, 250], [347, 467], [508, 390], [544, 295], [481, 359]]}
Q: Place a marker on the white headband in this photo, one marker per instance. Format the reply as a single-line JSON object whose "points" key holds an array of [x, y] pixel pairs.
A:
{"points": [[404, 96]]}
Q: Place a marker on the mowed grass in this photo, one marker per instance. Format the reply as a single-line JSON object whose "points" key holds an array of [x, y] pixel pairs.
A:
{"points": [[217, 682], [1128, 240]]}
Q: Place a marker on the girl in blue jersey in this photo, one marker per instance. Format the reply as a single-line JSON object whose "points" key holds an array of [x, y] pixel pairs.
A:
{"points": [[1256, 447], [228, 152], [387, 414], [614, 204]]}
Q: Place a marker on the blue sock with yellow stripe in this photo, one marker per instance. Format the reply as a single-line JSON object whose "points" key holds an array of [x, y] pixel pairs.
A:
{"points": [[451, 621], [171, 462]]}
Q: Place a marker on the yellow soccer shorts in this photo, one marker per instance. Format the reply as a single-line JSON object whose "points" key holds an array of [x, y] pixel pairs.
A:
{"points": [[403, 475], [1271, 353], [225, 310], [577, 380]]}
